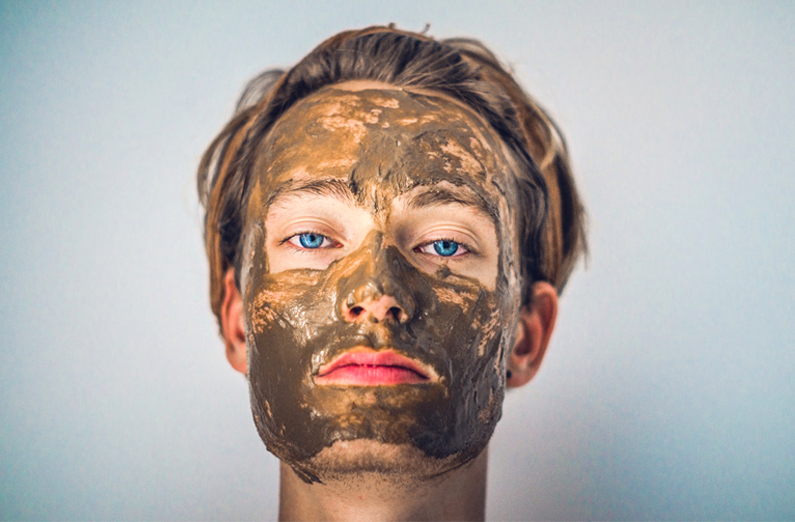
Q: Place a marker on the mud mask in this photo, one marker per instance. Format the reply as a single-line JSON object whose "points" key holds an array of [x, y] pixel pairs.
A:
{"points": [[382, 152]]}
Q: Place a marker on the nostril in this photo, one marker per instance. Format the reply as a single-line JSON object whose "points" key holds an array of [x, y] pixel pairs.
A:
{"points": [[396, 313], [374, 310]]}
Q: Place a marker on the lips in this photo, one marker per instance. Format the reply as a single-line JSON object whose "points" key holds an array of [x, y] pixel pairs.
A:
{"points": [[366, 367]]}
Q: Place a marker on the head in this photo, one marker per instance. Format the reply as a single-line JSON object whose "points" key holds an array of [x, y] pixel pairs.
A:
{"points": [[388, 224]]}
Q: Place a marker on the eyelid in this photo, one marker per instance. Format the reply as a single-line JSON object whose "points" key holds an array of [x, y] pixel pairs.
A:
{"points": [[330, 229], [447, 233]]}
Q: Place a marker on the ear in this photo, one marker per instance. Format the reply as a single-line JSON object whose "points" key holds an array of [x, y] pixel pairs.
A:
{"points": [[534, 330], [232, 326]]}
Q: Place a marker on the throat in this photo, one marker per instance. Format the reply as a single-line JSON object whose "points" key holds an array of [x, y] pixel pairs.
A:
{"points": [[367, 494]]}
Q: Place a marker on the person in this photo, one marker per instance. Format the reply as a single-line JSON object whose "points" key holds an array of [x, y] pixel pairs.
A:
{"points": [[389, 224]]}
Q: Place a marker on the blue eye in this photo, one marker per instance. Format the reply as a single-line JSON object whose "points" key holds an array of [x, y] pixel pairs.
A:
{"points": [[445, 248], [310, 240]]}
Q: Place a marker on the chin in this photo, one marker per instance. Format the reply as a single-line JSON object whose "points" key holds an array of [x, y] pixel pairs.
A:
{"points": [[345, 460]]}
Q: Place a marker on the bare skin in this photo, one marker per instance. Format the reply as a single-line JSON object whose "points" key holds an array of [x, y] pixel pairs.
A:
{"points": [[381, 226], [458, 495]]}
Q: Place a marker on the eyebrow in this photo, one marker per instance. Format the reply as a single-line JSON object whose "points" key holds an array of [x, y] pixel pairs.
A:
{"points": [[335, 188], [459, 195], [432, 196]]}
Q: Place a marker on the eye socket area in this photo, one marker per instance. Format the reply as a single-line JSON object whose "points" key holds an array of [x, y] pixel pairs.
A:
{"points": [[308, 230], [462, 238]]}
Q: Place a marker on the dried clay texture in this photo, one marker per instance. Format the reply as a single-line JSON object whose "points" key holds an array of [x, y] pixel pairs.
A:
{"points": [[373, 148]]}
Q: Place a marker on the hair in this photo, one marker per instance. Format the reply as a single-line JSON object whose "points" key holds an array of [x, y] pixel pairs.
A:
{"points": [[552, 217]]}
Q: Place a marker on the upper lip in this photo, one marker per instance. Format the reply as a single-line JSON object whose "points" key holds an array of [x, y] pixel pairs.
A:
{"points": [[370, 357]]}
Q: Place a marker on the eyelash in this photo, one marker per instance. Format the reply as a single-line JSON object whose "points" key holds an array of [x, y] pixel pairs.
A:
{"points": [[419, 249], [456, 252], [302, 248]]}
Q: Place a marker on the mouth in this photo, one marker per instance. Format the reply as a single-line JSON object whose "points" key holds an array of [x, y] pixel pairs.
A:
{"points": [[367, 367]]}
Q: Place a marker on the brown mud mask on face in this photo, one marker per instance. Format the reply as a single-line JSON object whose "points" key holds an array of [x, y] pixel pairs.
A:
{"points": [[383, 144]]}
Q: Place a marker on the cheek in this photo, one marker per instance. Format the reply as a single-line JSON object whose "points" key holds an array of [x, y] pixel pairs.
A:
{"points": [[281, 316], [472, 326], [273, 301], [477, 341], [280, 327]]}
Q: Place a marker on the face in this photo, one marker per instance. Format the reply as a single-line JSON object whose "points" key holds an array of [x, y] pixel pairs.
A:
{"points": [[380, 281]]}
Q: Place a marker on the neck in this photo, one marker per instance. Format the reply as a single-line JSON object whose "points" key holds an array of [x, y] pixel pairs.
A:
{"points": [[457, 495]]}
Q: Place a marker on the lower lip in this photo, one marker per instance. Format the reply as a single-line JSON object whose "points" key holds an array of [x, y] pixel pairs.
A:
{"points": [[361, 375]]}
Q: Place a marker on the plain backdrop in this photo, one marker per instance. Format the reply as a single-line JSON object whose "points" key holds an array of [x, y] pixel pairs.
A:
{"points": [[668, 390]]}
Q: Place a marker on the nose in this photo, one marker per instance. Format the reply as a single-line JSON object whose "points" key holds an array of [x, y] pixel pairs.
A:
{"points": [[379, 309], [377, 285]]}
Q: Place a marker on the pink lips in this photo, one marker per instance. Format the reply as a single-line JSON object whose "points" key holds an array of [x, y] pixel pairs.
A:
{"points": [[365, 367]]}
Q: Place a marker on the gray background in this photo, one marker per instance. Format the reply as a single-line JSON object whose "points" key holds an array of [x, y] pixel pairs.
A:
{"points": [[667, 392]]}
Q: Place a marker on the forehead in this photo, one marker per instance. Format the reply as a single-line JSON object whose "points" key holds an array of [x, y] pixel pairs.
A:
{"points": [[383, 142]]}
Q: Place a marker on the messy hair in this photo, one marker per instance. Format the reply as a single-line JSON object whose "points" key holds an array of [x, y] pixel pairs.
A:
{"points": [[551, 219]]}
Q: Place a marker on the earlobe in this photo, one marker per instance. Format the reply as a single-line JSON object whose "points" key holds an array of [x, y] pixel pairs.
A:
{"points": [[232, 325], [534, 330]]}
